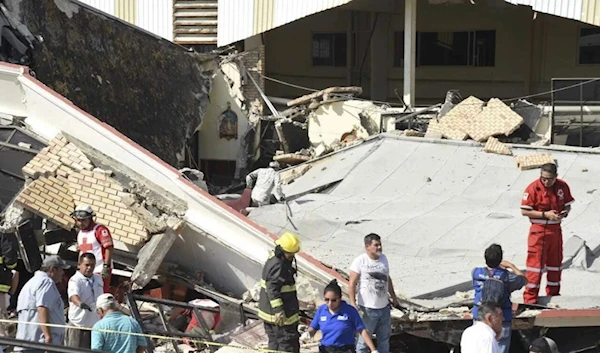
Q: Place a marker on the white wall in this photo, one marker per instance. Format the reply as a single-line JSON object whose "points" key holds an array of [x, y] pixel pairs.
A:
{"points": [[226, 88]]}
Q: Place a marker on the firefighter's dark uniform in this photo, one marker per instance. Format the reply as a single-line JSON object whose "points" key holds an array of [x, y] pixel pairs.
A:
{"points": [[8, 260], [278, 293]]}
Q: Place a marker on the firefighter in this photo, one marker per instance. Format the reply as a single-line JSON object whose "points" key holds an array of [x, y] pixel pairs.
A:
{"points": [[8, 274], [546, 201], [278, 304], [96, 239]]}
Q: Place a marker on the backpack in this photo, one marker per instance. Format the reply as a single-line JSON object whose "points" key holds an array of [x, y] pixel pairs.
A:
{"points": [[494, 290]]}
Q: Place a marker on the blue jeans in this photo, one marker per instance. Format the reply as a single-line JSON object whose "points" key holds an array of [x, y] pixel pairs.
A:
{"points": [[505, 335], [378, 322]]}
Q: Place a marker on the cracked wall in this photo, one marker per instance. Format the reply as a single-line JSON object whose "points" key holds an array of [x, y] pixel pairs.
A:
{"points": [[151, 90]]}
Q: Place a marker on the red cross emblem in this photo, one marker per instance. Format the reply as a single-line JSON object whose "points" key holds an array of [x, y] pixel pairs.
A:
{"points": [[85, 246]]}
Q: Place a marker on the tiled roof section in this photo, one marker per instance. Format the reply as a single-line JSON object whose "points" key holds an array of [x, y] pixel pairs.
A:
{"points": [[457, 121], [496, 118], [64, 177], [493, 145], [533, 161], [105, 195], [59, 152], [49, 197]]}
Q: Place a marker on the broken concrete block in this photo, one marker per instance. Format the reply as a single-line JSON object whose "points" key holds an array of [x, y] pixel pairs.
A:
{"points": [[493, 145], [534, 160], [457, 121], [542, 142], [571, 248], [151, 256], [413, 133], [434, 129], [496, 118]]}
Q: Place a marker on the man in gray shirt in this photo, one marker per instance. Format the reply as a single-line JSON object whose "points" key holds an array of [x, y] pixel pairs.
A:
{"points": [[40, 302]]}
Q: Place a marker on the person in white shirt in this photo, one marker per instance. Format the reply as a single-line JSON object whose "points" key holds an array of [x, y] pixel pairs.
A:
{"points": [[265, 184], [371, 272], [83, 290], [482, 337]]}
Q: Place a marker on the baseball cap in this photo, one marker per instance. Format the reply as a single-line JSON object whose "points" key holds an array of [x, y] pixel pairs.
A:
{"points": [[105, 300], [543, 345], [55, 261]]}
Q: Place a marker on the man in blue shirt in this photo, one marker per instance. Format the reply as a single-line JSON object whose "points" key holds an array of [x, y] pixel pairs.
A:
{"points": [[114, 320], [498, 268]]}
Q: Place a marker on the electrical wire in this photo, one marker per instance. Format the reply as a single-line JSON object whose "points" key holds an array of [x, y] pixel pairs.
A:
{"points": [[390, 103]]}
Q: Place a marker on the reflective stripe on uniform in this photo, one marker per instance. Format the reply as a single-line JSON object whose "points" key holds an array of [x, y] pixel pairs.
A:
{"points": [[276, 303], [271, 318], [533, 269], [533, 285], [288, 288], [553, 283], [543, 221], [10, 267], [4, 288], [550, 268]]}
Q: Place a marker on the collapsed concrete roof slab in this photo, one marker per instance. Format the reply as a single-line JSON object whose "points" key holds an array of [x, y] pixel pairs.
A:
{"points": [[437, 205], [228, 247], [152, 90]]}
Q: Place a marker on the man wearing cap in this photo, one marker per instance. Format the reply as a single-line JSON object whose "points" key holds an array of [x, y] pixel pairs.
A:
{"points": [[278, 304], [114, 320], [94, 238], [265, 184], [40, 303], [83, 290], [543, 345]]}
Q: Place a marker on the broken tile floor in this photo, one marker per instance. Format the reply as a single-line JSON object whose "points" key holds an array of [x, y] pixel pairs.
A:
{"points": [[437, 205]]}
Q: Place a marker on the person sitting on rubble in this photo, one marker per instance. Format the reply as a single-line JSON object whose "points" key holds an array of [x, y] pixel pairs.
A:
{"points": [[338, 322], [96, 239], [266, 185], [278, 304], [494, 283]]}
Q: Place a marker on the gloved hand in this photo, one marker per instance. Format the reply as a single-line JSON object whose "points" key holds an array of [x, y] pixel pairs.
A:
{"points": [[305, 337], [375, 351], [280, 318], [84, 306], [105, 271]]}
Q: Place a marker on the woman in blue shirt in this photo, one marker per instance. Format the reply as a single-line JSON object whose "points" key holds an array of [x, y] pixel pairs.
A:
{"points": [[338, 322]]}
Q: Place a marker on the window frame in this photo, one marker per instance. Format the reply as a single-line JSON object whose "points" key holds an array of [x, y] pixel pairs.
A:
{"points": [[332, 51], [579, 46]]}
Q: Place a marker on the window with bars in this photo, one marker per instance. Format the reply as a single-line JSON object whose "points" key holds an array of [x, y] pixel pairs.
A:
{"points": [[329, 49]]}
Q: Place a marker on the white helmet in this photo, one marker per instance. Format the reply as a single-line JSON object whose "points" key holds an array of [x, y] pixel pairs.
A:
{"points": [[83, 211]]}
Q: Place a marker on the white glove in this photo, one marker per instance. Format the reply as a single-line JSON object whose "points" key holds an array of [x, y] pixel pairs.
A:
{"points": [[375, 351], [305, 337]]}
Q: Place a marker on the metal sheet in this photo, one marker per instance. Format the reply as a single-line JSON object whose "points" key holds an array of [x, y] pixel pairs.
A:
{"points": [[107, 6], [195, 21], [126, 10], [564, 8], [241, 19], [156, 16], [437, 206]]}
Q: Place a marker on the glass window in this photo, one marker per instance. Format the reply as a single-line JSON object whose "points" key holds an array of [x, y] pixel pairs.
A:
{"points": [[589, 46], [329, 49]]}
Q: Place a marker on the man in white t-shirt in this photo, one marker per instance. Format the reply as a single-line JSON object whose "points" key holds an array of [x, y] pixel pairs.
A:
{"points": [[482, 336], [371, 272], [83, 290]]}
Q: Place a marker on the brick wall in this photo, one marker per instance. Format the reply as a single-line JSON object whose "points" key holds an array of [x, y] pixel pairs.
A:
{"points": [[254, 61]]}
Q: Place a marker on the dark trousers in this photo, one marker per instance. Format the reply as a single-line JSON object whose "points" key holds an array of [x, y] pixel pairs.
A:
{"points": [[283, 338], [77, 338], [331, 349]]}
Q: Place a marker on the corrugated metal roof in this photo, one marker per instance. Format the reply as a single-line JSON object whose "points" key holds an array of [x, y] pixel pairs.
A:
{"points": [[587, 11], [154, 16], [126, 10], [195, 21], [236, 23]]}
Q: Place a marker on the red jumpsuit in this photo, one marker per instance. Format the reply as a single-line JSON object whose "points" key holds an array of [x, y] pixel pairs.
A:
{"points": [[544, 244]]}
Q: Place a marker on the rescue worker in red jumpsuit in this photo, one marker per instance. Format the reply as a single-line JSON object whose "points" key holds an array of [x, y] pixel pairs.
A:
{"points": [[546, 201]]}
